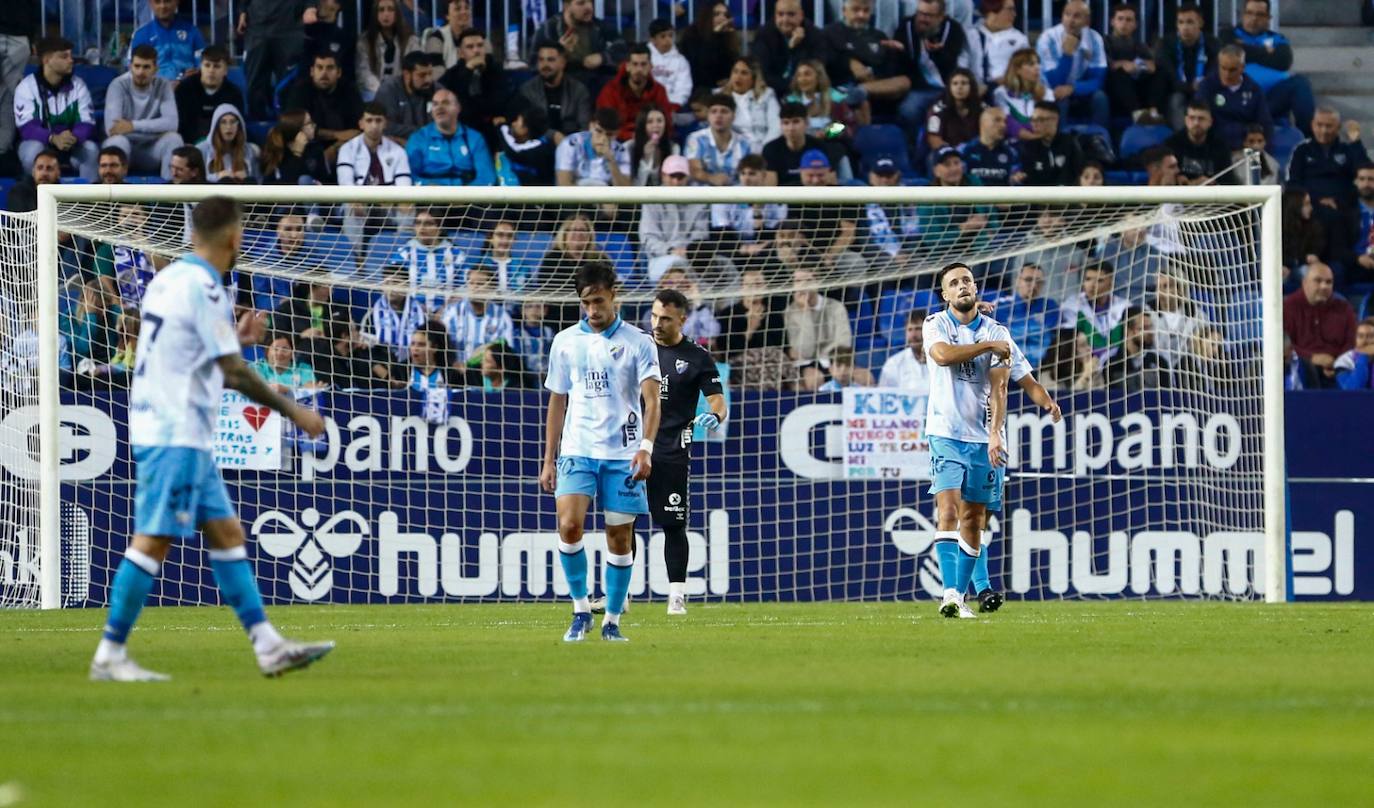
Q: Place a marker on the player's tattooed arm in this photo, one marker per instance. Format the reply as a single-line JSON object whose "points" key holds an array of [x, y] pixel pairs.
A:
{"points": [[997, 403], [240, 376]]}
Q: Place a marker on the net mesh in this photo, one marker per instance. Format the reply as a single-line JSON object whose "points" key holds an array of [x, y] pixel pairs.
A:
{"points": [[1142, 319]]}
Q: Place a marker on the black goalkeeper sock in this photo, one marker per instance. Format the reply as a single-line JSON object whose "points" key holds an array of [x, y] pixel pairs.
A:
{"points": [[675, 553]]}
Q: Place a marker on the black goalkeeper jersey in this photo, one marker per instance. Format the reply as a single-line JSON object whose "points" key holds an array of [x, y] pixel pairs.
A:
{"points": [[688, 370]]}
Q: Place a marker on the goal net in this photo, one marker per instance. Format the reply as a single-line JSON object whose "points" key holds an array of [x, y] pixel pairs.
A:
{"points": [[418, 321]]}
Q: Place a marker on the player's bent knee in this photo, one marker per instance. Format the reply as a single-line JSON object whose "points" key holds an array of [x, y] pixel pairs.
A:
{"points": [[570, 531]]}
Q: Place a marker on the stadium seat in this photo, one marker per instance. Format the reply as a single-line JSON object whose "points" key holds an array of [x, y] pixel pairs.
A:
{"points": [[279, 91], [384, 245], [624, 257], [332, 251], [531, 246], [97, 78], [882, 140], [893, 307], [239, 79], [1286, 139], [1137, 139]]}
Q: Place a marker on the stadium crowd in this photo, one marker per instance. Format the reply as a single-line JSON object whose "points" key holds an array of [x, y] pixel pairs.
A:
{"points": [[950, 96]]}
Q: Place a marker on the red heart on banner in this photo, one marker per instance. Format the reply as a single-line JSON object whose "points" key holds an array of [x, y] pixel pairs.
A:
{"points": [[256, 416]]}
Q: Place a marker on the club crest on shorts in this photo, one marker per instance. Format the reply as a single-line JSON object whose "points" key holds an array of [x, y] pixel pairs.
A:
{"points": [[616, 350], [681, 366]]}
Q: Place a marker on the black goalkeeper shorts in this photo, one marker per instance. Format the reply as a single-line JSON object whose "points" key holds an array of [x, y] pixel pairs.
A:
{"points": [[668, 501]]}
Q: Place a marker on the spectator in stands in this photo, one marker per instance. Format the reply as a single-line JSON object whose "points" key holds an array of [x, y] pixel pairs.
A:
{"points": [[227, 152], [755, 322], [122, 271], [783, 44], [1137, 365], [371, 158], [18, 26], [331, 100], [947, 226], [594, 156], [701, 325], [714, 153], [666, 231], [533, 338], [1182, 59], [574, 244], [274, 35], [175, 41], [831, 229], [783, 154], [345, 360], [563, 98], [443, 41], [382, 45], [89, 326], [906, 369], [1305, 238], [477, 319], [141, 114], [746, 227], [1359, 258], [406, 97], [1321, 323], [1028, 314], [857, 57], [888, 231], [933, 47], [1236, 100], [529, 146], [1269, 61], [1074, 59], [429, 366], [993, 41], [112, 167], [512, 273], [1323, 165], [652, 145], [756, 106], [1050, 157], [1060, 265], [711, 44], [309, 311], [990, 159], [479, 81], [446, 152], [1256, 142], [1355, 368], [332, 32], [1070, 365], [1130, 81], [1176, 317], [501, 368], [187, 166], [395, 314], [1161, 167], [670, 68], [1096, 311], [844, 373], [52, 110], [1091, 175], [122, 361], [816, 326], [1202, 153], [828, 114], [199, 94], [288, 255], [1021, 89], [293, 155], [434, 266], [953, 118], [280, 368], [633, 89], [593, 47]]}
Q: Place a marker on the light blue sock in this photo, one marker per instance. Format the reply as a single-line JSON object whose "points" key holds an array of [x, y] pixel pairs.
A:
{"points": [[619, 568], [965, 573], [128, 592], [574, 560], [947, 553], [236, 583], [981, 579]]}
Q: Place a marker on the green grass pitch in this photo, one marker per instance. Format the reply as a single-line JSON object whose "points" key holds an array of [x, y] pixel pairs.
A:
{"points": [[1123, 703]]}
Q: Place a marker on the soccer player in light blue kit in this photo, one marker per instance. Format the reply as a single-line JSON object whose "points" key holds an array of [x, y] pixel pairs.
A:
{"points": [[970, 358], [603, 415], [188, 351]]}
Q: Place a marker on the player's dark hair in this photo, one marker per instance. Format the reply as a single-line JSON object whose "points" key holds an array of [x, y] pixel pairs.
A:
{"points": [[115, 151], [671, 297], [214, 216], [215, 53], [145, 52], [595, 275], [945, 270]]}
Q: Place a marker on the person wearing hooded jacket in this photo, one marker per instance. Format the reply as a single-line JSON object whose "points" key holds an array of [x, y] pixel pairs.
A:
{"points": [[228, 154]]}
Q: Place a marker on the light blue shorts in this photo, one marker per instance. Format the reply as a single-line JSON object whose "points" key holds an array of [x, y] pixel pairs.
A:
{"points": [[179, 489], [965, 466], [609, 483]]}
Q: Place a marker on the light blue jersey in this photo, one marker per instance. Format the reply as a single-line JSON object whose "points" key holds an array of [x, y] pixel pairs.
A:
{"points": [[187, 324], [957, 407], [601, 374]]}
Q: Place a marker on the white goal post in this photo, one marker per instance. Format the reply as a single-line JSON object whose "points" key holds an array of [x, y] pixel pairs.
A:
{"points": [[73, 207]]}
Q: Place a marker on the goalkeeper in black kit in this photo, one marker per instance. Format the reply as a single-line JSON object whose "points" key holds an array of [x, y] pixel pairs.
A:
{"points": [[688, 372]]}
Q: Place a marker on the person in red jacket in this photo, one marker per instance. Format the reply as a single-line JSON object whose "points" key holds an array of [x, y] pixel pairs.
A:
{"points": [[632, 88], [1321, 325]]}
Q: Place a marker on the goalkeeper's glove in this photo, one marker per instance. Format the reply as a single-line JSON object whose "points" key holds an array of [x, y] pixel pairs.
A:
{"points": [[708, 420]]}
